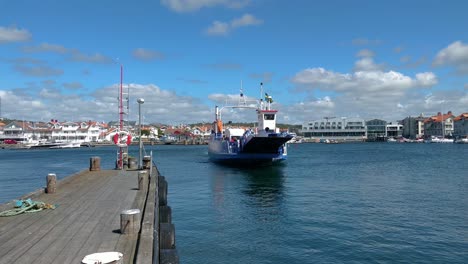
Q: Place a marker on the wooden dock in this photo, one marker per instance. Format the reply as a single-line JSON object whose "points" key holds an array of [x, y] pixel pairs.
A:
{"points": [[87, 220]]}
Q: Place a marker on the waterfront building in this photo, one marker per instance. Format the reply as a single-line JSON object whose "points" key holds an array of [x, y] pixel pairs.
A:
{"points": [[19, 131], [394, 130], [413, 127], [52, 131], [335, 128], [376, 130], [460, 125], [440, 125], [201, 131], [75, 131]]}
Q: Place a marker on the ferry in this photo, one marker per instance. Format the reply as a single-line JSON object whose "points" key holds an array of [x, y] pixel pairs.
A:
{"points": [[259, 146]]}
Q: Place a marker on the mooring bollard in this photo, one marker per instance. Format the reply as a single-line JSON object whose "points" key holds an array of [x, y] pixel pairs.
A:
{"points": [[51, 183], [95, 164], [132, 163], [142, 180], [130, 221], [146, 162]]}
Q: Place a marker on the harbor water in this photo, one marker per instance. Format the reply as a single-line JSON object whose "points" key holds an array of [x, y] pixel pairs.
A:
{"points": [[329, 203]]}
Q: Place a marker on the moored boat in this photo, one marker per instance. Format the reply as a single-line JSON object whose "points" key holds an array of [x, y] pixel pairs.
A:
{"points": [[440, 140], [461, 140], [237, 146], [168, 139], [63, 145]]}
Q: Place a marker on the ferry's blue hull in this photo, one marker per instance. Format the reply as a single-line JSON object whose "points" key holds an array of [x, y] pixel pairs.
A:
{"points": [[258, 151]]}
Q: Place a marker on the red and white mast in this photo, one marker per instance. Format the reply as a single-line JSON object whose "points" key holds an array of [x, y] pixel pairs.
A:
{"points": [[123, 138]]}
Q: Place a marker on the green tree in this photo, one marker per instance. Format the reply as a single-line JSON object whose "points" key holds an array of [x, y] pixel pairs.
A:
{"points": [[145, 132]]}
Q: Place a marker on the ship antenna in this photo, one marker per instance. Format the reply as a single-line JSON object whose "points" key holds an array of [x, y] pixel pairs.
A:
{"points": [[261, 95], [242, 98]]}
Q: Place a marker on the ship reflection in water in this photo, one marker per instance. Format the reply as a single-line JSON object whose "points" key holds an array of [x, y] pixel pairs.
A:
{"points": [[258, 187]]}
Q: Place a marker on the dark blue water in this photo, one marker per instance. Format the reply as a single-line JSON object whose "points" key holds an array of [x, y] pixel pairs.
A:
{"points": [[329, 203]]}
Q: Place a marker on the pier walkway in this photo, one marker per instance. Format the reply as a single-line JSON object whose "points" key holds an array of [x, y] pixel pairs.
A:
{"points": [[87, 220]]}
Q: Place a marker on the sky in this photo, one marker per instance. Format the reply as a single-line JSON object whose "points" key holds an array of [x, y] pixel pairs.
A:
{"points": [[389, 60]]}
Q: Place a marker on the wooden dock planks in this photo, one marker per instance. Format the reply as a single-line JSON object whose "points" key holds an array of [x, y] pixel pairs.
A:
{"points": [[86, 221]]}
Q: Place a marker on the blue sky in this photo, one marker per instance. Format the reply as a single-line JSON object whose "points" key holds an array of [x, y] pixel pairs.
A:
{"points": [[370, 59]]}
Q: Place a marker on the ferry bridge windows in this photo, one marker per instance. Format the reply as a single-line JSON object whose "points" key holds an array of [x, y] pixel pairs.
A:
{"points": [[269, 117]]}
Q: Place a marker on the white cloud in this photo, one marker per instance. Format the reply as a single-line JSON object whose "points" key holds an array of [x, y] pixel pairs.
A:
{"points": [[365, 42], [50, 93], [183, 6], [37, 70], [78, 56], [13, 34], [46, 103], [75, 54], [72, 85], [365, 53], [367, 93], [220, 28], [367, 64], [454, 55], [426, 79], [308, 110], [45, 47], [147, 54], [362, 81], [265, 77], [245, 20]]}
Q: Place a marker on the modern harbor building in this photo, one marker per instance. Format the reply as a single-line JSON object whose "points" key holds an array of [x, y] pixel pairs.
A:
{"points": [[394, 130], [338, 128], [351, 129], [376, 130]]}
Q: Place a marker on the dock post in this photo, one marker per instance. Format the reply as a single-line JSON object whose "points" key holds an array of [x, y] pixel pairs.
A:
{"points": [[142, 180], [95, 164], [132, 163], [51, 183], [146, 162], [130, 221]]}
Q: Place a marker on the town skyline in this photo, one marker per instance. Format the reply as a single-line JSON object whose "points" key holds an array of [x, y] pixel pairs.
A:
{"points": [[356, 59]]}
